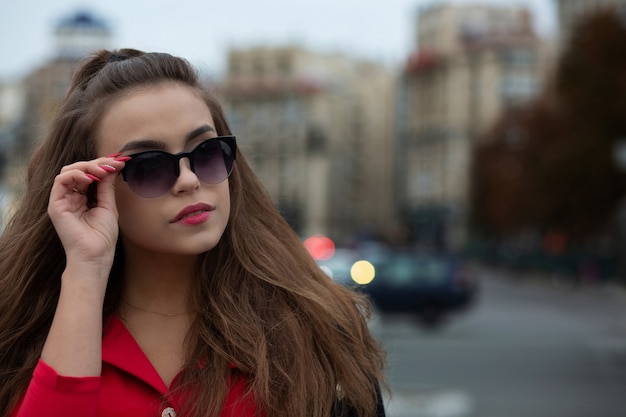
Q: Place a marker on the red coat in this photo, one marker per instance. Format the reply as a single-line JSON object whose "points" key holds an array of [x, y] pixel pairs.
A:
{"points": [[128, 387]]}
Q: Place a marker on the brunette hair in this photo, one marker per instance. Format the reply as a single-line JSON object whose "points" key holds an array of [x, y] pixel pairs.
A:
{"points": [[301, 340]]}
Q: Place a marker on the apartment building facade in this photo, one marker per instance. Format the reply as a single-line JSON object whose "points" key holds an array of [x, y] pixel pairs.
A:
{"points": [[471, 63], [42, 90], [317, 129], [75, 35], [27, 105]]}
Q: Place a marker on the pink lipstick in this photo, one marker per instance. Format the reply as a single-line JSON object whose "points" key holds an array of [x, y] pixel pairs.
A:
{"points": [[194, 214]]}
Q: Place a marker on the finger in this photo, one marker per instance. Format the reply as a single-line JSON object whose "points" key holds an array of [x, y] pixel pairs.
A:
{"points": [[77, 177], [106, 171], [97, 166], [69, 182]]}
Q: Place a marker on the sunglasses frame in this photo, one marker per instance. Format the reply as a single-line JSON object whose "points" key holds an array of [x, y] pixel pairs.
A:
{"points": [[229, 140]]}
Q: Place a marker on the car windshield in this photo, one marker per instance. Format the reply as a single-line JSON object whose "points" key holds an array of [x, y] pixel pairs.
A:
{"points": [[402, 270]]}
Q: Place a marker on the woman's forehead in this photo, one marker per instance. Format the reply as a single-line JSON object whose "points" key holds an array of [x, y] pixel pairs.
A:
{"points": [[165, 112]]}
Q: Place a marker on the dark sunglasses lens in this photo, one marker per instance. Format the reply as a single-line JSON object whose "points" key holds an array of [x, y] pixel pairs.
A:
{"points": [[211, 161], [150, 174]]}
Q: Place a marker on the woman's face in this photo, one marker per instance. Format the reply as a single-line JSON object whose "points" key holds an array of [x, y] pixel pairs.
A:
{"points": [[191, 217]]}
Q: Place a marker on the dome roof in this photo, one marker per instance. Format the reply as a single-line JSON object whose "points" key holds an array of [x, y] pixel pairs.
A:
{"points": [[84, 20]]}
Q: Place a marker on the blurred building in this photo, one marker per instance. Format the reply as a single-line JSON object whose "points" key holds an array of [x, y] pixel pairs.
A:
{"points": [[318, 131], [570, 12], [81, 33], [75, 36], [11, 107], [471, 63], [44, 88]]}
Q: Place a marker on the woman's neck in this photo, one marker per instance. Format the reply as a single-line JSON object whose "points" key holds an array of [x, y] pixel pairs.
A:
{"points": [[158, 284]]}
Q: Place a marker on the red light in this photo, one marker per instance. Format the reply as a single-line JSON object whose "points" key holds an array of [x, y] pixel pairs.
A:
{"points": [[320, 247]]}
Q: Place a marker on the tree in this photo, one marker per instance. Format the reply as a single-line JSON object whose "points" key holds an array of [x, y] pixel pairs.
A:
{"points": [[550, 165]]}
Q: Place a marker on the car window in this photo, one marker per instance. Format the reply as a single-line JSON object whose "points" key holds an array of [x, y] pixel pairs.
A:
{"points": [[434, 271], [414, 270], [402, 271]]}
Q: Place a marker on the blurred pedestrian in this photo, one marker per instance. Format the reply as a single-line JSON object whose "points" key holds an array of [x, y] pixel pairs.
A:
{"points": [[160, 279]]}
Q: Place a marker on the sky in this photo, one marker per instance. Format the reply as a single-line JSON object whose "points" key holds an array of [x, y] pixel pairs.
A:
{"points": [[203, 31]]}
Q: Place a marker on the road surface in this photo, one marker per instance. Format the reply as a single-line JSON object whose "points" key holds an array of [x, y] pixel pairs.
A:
{"points": [[526, 349]]}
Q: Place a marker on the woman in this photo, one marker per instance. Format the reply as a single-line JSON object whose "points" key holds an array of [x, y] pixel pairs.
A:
{"points": [[160, 280]]}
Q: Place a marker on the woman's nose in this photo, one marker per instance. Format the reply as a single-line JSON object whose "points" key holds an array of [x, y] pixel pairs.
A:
{"points": [[187, 181]]}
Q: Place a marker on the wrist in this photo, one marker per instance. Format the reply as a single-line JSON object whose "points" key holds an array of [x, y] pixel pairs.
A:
{"points": [[86, 279]]}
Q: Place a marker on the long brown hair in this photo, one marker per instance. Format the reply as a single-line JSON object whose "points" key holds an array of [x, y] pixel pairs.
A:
{"points": [[265, 307]]}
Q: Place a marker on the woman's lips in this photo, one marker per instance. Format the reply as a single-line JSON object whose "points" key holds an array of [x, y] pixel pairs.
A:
{"points": [[194, 214], [192, 219]]}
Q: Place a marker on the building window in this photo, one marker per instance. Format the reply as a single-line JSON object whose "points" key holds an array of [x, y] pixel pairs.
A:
{"points": [[257, 67], [293, 113], [284, 65], [235, 68], [518, 87], [518, 57]]}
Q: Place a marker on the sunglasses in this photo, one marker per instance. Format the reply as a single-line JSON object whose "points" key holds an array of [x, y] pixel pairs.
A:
{"points": [[151, 174]]}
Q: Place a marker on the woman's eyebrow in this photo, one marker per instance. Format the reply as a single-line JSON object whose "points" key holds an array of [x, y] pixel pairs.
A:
{"points": [[143, 144], [199, 131], [157, 144]]}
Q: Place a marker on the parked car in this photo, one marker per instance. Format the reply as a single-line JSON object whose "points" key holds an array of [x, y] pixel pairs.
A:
{"points": [[429, 285]]}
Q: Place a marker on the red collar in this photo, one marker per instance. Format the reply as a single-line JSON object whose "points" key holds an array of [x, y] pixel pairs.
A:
{"points": [[121, 350]]}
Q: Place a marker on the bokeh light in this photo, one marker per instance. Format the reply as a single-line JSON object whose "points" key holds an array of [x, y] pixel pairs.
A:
{"points": [[362, 272], [321, 248]]}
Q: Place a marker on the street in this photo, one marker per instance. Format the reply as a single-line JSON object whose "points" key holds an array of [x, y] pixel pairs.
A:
{"points": [[526, 349]]}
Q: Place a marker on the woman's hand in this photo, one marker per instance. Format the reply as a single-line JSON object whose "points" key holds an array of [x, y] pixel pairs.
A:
{"points": [[88, 234]]}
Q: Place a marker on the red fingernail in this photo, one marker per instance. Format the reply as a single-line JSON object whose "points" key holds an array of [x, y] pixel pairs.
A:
{"points": [[108, 168], [123, 158], [92, 177], [113, 155]]}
